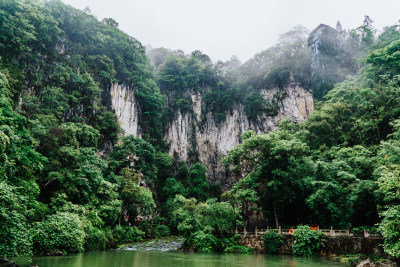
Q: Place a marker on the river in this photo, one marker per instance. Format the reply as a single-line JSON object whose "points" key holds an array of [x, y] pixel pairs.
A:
{"points": [[131, 258]]}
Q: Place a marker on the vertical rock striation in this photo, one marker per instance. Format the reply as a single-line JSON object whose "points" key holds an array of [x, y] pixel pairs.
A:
{"points": [[125, 106], [196, 136], [211, 140]]}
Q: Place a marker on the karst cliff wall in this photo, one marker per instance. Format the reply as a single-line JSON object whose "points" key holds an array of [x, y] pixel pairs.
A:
{"points": [[194, 134]]}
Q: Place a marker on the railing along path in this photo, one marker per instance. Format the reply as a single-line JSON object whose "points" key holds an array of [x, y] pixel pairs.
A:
{"points": [[326, 232]]}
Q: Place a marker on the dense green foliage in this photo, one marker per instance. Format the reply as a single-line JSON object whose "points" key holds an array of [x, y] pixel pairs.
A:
{"points": [[272, 241], [69, 182], [389, 184], [338, 168], [206, 226], [307, 242], [127, 234], [14, 232], [162, 231], [57, 194], [61, 231], [224, 84]]}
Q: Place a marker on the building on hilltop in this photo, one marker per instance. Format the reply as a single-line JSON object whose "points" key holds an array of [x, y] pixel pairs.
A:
{"points": [[320, 38], [330, 60]]}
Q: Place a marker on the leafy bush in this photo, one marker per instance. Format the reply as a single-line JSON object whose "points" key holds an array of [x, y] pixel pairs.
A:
{"points": [[357, 230], [145, 227], [207, 242], [127, 234], [161, 231], [254, 104], [183, 103], [272, 241], [360, 230], [277, 77], [61, 231], [14, 234], [306, 241], [202, 242], [390, 230], [99, 239], [161, 219]]}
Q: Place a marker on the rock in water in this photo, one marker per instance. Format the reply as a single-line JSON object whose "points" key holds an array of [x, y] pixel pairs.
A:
{"points": [[368, 263], [8, 263]]}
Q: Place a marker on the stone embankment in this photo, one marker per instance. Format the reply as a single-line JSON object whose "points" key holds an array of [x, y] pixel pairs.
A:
{"points": [[334, 246]]}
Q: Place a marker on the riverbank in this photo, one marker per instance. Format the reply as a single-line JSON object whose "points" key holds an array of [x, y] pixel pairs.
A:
{"points": [[144, 258], [352, 250], [333, 246], [172, 244], [357, 260]]}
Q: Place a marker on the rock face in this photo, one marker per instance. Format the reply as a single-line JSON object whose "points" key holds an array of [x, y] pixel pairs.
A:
{"points": [[211, 140], [196, 135], [124, 104]]}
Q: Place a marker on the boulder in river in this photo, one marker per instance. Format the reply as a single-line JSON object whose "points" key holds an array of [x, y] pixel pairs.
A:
{"points": [[368, 263], [8, 263]]}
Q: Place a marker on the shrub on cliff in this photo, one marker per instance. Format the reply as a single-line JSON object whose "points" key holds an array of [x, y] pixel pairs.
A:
{"points": [[272, 242], [307, 242]]}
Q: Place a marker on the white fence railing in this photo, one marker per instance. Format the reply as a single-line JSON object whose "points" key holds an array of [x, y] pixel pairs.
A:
{"points": [[326, 232]]}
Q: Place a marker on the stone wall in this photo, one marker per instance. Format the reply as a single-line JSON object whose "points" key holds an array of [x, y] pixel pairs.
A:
{"points": [[338, 245], [353, 245]]}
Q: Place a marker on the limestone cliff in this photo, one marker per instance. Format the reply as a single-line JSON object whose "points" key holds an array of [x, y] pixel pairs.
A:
{"points": [[211, 140], [124, 104], [195, 135]]}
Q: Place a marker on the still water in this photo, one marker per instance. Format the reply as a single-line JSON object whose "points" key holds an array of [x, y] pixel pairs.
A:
{"points": [[125, 258]]}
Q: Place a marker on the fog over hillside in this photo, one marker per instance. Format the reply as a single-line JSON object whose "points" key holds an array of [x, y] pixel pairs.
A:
{"points": [[222, 28]]}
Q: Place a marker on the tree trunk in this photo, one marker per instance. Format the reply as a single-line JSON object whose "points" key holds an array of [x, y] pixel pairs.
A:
{"points": [[275, 214]]}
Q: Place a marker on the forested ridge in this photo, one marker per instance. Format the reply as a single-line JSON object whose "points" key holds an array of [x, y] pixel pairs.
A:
{"points": [[70, 181]]}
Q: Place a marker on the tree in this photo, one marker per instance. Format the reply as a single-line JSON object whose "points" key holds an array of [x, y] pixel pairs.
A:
{"points": [[61, 231], [14, 230], [110, 21], [197, 184], [279, 166], [205, 225], [389, 183], [136, 199], [254, 104], [342, 193], [135, 152], [172, 188]]}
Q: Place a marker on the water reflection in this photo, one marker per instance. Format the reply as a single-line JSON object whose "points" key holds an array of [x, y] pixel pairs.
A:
{"points": [[121, 258]]}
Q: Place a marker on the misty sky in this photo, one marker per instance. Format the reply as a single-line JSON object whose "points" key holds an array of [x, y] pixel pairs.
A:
{"points": [[222, 28]]}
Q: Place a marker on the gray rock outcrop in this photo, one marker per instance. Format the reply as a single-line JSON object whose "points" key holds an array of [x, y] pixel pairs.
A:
{"points": [[193, 134]]}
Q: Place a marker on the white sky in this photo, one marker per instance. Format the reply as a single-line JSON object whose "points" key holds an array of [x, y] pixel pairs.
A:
{"points": [[222, 28]]}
